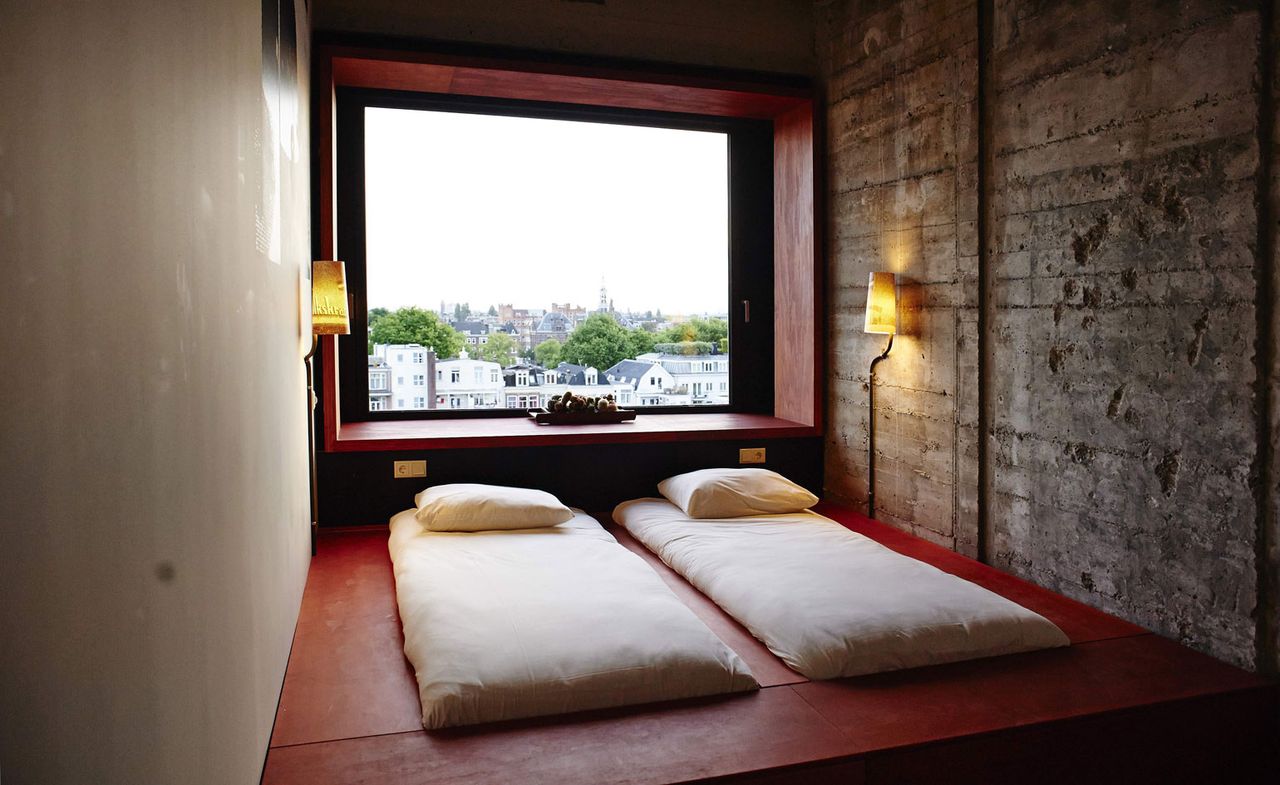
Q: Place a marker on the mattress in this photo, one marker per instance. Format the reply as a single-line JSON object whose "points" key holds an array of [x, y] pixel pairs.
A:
{"points": [[830, 602], [506, 624]]}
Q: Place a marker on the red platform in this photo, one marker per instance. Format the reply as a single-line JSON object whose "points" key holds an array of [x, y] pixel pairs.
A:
{"points": [[1119, 705]]}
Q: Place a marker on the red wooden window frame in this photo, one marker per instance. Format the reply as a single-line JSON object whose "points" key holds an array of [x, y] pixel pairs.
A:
{"points": [[797, 273]]}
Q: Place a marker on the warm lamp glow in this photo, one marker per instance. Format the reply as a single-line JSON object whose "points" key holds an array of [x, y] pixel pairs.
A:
{"points": [[882, 305], [329, 299]]}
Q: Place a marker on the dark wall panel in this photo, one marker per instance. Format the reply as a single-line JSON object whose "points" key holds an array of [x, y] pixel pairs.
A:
{"points": [[360, 488]]}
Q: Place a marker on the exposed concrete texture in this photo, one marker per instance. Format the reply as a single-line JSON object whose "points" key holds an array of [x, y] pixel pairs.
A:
{"points": [[1125, 271], [900, 82], [761, 35], [1124, 186], [1269, 328]]}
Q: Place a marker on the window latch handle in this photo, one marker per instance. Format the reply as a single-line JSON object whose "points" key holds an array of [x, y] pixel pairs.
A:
{"points": [[746, 312]]}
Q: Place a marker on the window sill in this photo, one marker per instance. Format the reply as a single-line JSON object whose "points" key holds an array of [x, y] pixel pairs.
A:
{"points": [[520, 432]]}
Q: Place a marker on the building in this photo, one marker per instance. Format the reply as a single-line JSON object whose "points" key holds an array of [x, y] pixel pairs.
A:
{"points": [[527, 386], [530, 386], [647, 383], [704, 376], [379, 384], [475, 332], [404, 374], [575, 313], [519, 323], [465, 383], [553, 325], [586, 381], [519, 317], [1078, 199]]}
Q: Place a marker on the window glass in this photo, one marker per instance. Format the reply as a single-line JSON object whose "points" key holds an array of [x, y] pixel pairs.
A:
{"points": [[515, 241]]}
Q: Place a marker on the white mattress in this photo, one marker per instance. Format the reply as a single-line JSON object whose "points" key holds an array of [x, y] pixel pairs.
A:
{"points": [[507, 624], [830, 602]]}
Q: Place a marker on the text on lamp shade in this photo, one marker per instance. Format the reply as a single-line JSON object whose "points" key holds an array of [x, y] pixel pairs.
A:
{"points": [[329, 299]]}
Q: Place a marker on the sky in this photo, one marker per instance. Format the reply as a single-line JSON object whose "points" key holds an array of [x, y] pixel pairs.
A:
{"points": [[487, 210]]}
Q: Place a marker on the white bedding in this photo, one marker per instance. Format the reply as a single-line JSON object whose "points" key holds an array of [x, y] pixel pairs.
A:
{"points": [[507, 624], [830, 602]]}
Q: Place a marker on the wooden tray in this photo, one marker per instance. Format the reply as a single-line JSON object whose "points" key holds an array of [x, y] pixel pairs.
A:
{"points": [[582, 418]]}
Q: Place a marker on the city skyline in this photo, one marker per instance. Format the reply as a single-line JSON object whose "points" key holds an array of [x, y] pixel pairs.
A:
{"points": [[478, 310]]}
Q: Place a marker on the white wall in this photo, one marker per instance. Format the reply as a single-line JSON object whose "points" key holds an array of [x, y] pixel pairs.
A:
{"points": [[153, 471], [761, 35]]}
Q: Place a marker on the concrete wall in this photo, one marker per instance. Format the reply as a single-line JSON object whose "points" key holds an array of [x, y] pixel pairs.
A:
{"points": [[153, 495], [901, 83], [1268, 483], [1125, 249], [1128, 326], [762, 35]]}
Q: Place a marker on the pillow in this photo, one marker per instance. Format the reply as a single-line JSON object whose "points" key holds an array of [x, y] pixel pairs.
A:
{"points": [[734, 493], [471, 507]]}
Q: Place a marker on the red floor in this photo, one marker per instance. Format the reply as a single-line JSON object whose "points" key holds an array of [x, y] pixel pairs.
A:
{"points": [[1119, 705]]}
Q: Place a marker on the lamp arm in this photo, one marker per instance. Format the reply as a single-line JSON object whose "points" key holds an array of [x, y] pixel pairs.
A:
{"points": [[884, 355], [871, 429], [311, 437]]}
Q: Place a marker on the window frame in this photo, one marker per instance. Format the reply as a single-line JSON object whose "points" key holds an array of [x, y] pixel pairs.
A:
{"points": [[751, 251]]}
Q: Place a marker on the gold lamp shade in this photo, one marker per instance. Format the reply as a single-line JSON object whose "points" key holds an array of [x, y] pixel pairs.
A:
{"points": [[329, 299], [882, 305]]}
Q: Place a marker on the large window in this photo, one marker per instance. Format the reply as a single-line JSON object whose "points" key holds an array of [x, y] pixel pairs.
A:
{"points": [[513, 245]]}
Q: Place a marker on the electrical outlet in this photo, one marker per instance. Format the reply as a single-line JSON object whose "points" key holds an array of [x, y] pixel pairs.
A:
{"points": [[410, 469], [751, 455]]}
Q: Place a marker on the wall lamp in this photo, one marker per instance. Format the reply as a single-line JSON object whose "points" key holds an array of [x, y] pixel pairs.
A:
{"points": [[881, 319], [329, 316]]}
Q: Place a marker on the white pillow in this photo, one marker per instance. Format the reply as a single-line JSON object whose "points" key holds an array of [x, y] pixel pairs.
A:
{"points": [[471, 507], [734, 493]]}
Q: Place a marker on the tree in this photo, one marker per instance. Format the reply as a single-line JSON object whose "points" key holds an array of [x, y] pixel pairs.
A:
{"points": [[599, 342], [710, 330], [714, 331], [684, 347], [500, 349], [414, 325], [676, 333], [639, 342], [375, 316], [547, 353], [461, 311], [493, 311]]}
